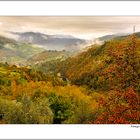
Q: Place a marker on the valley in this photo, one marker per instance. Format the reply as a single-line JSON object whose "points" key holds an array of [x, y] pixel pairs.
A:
{"points": [[51, 79]]}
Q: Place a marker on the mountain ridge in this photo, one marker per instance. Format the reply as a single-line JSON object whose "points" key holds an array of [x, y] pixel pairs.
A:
{"points": [[51, 42]]}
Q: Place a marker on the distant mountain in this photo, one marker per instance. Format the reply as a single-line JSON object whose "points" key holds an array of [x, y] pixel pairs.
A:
{"points": [[109, 37], [125, 36], [15, 52], [51, 42], [115, 36]]}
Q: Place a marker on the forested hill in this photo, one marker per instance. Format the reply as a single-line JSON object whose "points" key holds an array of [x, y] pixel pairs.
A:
{"points": [[107, 66]]}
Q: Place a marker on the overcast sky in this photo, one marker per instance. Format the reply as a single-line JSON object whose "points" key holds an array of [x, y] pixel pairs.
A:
{"points": [[82, 27]]}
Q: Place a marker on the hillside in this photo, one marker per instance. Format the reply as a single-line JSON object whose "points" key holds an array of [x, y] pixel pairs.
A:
{"points": [[108, 37], [125, 36], [105, 67], [15, 52]]}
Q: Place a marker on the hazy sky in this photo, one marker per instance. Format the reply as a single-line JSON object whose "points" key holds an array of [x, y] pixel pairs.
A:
{"points": [[83, 27]]}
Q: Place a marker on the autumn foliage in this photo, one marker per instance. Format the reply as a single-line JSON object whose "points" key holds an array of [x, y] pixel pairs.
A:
{"points": [[120, 108]]}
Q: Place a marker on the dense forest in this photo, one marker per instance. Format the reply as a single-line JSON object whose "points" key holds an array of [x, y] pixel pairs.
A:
{"points": [[100, 85]]}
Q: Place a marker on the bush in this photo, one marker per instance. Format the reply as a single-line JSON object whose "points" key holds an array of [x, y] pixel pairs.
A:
{"points": [[26, 111], [61, 107], [11, 112], [39, 112]]}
